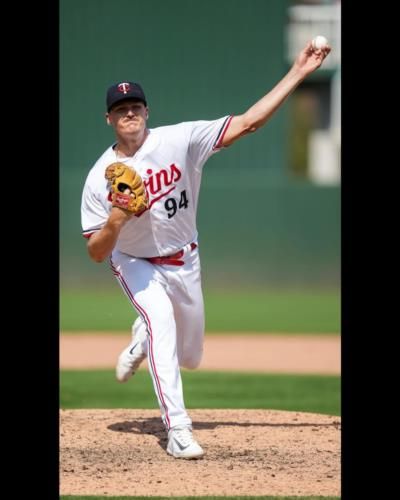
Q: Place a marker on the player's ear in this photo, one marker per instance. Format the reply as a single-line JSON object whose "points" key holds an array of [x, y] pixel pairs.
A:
{"points": [[108, 119], [147, 113]]}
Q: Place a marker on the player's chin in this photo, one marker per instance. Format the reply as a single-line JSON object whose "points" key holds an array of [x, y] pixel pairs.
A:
{"points": [[134, 126]]}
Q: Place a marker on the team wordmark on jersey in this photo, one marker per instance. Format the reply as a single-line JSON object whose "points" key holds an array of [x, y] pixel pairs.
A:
{"points": [[164, 177], [156, 183]]}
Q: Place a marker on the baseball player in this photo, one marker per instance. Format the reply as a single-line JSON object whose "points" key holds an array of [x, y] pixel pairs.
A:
{"points": [[138, 210]]}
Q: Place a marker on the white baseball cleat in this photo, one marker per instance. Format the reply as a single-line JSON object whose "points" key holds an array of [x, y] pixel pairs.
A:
{"points": [[181, 443], [131, 357]]}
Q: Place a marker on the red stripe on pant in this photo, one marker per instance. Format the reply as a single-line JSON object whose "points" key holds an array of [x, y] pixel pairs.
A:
{"points": [[151, 357]]}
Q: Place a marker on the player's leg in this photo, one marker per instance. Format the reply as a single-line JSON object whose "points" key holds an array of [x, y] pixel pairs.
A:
{"points": [[184, 290], [187, 299], [189, 317], [145, 288], [132, 356]]}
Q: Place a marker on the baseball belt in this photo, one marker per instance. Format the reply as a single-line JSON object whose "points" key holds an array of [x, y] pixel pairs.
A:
{"points": [[174, 259]]}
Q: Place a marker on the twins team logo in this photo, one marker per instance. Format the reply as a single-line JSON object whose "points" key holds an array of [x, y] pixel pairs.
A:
{"points": [[124, 87]]}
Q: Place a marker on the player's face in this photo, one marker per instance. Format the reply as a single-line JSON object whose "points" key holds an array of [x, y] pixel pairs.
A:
{"points": [[128, 117]]}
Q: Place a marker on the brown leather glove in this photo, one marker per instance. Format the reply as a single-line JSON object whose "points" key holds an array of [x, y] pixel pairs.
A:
{"points": [[128, 191]]}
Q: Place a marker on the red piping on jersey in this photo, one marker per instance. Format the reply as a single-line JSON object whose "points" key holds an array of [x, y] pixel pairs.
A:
{"points": [[88, 235], [219, 139]]}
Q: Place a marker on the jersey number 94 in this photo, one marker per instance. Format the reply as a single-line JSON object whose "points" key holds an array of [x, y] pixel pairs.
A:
{"points": [[171, 205]]}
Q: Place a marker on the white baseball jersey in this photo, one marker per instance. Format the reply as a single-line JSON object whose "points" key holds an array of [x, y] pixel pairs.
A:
{"points": [[170, 163]]}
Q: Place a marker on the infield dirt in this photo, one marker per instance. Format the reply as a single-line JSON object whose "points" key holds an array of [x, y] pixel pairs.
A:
{"points": [[250, 353], [247, 452]]}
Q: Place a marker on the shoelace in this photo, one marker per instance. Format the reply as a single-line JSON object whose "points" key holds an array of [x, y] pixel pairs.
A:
{"points": [[184, 435]]}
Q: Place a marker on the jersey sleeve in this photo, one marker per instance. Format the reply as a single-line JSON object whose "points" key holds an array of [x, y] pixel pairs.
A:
{"points": [[206, 138], [94, 212]]}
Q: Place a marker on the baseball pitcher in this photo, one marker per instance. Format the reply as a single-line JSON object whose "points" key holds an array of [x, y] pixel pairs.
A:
{"points": [[138, 210]]}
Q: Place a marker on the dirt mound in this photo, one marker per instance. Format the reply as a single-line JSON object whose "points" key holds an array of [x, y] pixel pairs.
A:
{"points": [[248, 452]]}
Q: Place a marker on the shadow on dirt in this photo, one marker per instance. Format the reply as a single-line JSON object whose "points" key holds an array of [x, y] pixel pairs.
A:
{"points": [[155, 427]]}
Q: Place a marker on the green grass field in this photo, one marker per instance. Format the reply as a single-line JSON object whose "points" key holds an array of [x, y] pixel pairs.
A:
{"points": [[278, 312], [308, 393]]}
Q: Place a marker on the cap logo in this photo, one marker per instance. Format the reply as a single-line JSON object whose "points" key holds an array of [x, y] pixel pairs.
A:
{"points": [[124, 88]]}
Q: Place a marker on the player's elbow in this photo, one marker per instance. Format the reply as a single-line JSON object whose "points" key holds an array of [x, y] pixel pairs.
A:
{"points": [[250, 125], [246, 125], [96, 254], [96, 257]]}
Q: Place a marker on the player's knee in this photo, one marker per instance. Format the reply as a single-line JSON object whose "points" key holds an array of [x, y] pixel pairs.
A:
{"points": [[191, 362]]}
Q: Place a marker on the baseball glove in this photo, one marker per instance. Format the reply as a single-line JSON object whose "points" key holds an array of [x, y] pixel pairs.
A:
{"points": [[127, 188]]}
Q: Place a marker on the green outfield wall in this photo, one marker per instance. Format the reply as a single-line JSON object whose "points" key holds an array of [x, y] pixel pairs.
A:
{"points": [[196, 60]]}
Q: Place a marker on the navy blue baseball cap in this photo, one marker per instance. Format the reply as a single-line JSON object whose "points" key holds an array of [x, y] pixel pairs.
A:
{"points": [[124, 90]]}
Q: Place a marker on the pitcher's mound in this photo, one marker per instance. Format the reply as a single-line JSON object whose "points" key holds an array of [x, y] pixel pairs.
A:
{"points": [[247, 452]]}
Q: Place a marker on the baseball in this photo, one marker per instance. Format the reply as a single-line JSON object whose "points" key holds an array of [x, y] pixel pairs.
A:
{"points": [[319, 42]]}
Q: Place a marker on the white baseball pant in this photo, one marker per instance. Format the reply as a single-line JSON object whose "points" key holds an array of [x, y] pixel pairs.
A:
{"points": [[169, 300]]}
